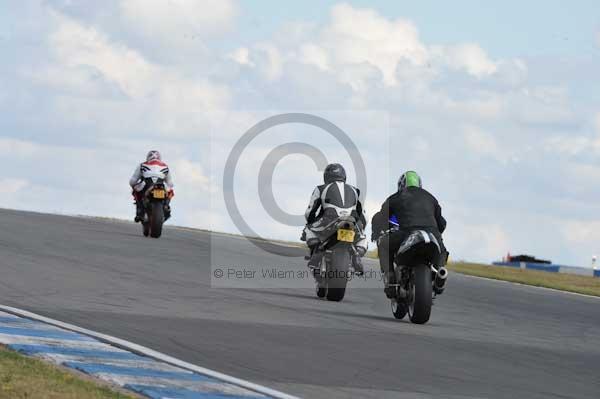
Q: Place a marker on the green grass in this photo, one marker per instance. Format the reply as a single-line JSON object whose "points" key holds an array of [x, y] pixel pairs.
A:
{"points": [[565, 282], [23, 377], [372, 254]]}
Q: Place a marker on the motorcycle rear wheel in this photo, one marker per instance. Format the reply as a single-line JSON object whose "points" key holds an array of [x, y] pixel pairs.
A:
{"points": [[337, 273], [419, 307], [157, 218]]}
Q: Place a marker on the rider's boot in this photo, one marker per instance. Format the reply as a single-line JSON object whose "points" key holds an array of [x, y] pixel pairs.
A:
{"points": [[139, 211], [167, 211], [389, 279], [359, 269], [315, 256]]}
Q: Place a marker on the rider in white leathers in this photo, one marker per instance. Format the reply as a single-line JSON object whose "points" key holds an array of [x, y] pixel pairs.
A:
{"points": [[153, 167], [344, 200]]}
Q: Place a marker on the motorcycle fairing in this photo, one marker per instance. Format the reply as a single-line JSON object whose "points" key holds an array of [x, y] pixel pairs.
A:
{"points": [[419, 246], [154, 172]]}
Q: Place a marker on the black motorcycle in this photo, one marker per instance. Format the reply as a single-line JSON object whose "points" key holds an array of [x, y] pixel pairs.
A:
{"points": [[417, 278], [156, 207], [336, 251]]}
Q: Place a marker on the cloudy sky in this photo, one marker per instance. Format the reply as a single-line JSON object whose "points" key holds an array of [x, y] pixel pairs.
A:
{"points": [[497, 107]]}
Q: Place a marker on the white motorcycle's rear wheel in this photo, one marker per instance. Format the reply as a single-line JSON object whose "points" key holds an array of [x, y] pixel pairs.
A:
{"points": [[337, 273], [157, 218]]}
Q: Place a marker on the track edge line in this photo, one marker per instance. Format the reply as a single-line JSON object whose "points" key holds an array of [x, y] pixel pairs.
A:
{"points": [[531, 286], [139, 349]]}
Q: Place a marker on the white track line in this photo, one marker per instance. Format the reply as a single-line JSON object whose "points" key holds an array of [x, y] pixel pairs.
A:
{"points": [[529, 286], [150, 353]]}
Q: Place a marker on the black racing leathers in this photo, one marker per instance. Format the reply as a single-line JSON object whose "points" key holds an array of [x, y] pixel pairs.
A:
{"points": [[414, 209]]}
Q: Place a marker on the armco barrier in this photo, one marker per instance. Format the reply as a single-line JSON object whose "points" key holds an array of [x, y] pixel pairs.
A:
{"points": [[582, 271]]}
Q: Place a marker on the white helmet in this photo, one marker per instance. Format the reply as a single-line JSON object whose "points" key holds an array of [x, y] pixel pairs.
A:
{"points": [[153, 155]]}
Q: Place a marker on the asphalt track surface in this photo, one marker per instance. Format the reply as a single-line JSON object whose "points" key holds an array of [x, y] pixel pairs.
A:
{"points": [[485, 339]]}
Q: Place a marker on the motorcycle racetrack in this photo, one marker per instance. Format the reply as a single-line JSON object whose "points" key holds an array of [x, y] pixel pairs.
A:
{"points": [[485, 339]]}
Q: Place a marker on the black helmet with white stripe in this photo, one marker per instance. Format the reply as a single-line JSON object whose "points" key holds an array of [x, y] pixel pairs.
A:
{"points": [[334, 172]]}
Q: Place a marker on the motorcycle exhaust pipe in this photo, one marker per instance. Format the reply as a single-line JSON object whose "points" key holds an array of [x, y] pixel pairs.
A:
{"points": [[440, 279]]}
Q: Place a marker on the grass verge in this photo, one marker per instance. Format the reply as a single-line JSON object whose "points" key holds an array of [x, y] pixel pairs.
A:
{"points": [[565, 282], [24, 377]]}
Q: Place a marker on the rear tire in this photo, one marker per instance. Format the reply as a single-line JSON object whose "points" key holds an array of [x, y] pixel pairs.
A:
{"points": [[157, 218], [337, 273], [420, 310]]}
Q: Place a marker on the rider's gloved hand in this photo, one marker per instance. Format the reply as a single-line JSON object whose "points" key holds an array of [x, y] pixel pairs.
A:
{"points": [[140, 186]]}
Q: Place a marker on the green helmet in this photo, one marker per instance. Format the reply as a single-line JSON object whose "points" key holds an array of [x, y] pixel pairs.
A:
{"points": [[409, 179]]}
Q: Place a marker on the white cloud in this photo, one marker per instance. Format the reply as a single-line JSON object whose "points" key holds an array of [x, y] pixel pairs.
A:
{"points": [[175, 103], [469, 57], [483, 143], [582, 231], [361, 78], [12, 186], [177, 21], [314, 55], [360, 37], [16, 147], [583, 174], [482, 242], [572, 146], [584, 238], [77, 46], [191, 176], [158, 75], [544, 105], [268, 60], [241, 56], [70, 174], [357, 35]]}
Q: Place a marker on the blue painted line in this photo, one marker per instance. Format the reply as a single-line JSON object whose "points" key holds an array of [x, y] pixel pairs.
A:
{"points": [[87, 353], [162, 392], [6, 319], [58, 334], [94, 368]]}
